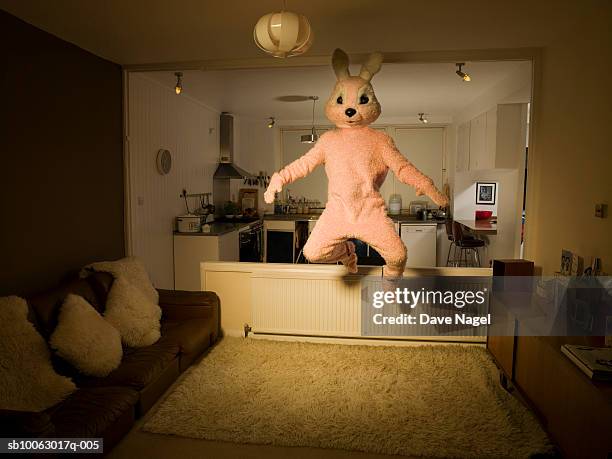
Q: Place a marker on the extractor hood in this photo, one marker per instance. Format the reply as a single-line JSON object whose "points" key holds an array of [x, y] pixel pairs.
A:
{"points": [[227, 169]]}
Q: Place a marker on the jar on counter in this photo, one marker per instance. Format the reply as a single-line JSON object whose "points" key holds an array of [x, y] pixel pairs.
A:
{"points": [[395, 204]]}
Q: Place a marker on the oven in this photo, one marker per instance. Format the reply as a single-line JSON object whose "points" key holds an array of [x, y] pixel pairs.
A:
{"points": [[251, 242]]}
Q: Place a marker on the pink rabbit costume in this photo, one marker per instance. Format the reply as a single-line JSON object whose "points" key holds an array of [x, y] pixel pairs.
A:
{"points": [[357, 159]]}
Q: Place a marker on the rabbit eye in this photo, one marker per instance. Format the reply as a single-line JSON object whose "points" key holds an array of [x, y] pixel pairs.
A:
{"points": [[339, 100], [364, 99]]}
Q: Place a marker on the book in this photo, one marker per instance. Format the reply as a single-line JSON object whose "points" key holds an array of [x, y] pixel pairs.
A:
{"points": [[595, 362]]}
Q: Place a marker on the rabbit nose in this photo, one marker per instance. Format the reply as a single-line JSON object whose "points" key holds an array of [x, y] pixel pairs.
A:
{"points": [[350, 112]]}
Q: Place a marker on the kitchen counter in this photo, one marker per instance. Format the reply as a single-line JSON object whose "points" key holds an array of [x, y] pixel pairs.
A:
{"points": [[412, 220], [291, 217], [401, 218], [480, 226], [217, 229]]}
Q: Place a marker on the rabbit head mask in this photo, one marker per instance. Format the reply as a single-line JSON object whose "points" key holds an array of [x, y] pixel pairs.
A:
{"points": [[352, 102]]}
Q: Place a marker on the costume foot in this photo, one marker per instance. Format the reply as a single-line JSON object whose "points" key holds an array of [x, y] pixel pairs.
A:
{"points": [[392, 273], [351, 263], [390, 284]]}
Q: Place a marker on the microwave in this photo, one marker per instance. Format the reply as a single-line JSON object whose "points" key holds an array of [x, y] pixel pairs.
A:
{"points": [[189, 223]]}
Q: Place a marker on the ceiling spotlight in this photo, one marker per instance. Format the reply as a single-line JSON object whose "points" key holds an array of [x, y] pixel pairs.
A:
{"points": [[271, 122], [464, 76], [422, 118], [313, 136], [179, 82]]}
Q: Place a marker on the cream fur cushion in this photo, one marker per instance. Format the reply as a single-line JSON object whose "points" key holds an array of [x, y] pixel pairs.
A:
{"points": [[28, 381], [132, 313], [83, 338], [131, 269]]}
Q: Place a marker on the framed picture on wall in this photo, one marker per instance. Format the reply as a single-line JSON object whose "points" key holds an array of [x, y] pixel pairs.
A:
{"points": [[485, 193]]}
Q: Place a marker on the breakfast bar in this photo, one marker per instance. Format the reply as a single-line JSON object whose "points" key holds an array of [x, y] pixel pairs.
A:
{"points": [[480, 226]]}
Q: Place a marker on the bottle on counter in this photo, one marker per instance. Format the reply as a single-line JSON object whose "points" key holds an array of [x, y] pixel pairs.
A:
{"points": [[278, 205]]}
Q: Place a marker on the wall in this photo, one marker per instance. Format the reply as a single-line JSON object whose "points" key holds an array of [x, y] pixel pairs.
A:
{"points": [[571, 155], [422, 145], [571, 163], [254, 151], [61, 192], [464, 202], [158, 118], [516, 88], [504, 243]]}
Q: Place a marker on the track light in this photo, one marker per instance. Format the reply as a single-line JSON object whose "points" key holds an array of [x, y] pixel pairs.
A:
{"points": [[271, 122], [463, 75], [179, 82], [422, 118]]}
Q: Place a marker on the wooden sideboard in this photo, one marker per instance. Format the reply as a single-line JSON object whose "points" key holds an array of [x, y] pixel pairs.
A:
{"points": [[576, 411]]}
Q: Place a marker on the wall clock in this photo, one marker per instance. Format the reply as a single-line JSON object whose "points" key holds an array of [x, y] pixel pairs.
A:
{"points": [[164, 161]]}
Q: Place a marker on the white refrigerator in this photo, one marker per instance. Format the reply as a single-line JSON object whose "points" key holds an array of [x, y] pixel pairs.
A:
{"points": [[420, 242]]}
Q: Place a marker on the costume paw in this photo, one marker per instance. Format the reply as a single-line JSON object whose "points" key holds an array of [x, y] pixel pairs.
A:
{"points": [[276, 186], [441, 200]]}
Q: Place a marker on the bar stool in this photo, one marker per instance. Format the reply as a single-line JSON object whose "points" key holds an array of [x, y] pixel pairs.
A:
{"points": [[448, 224], [467, 245]]}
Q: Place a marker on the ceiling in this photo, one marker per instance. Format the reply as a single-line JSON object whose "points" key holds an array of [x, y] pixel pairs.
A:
{"points": [[402, 89], [162, 31]]}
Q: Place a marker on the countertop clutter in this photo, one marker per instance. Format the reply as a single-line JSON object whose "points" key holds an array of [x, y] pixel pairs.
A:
{"points": [[220, 228], [216, 229], [400, 218]]}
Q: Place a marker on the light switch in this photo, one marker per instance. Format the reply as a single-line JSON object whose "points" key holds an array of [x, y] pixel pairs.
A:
{"points": [[140, 200], [601, 210]]}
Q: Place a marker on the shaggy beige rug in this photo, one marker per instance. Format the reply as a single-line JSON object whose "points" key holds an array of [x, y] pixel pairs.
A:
{"points": [[436, 401]]}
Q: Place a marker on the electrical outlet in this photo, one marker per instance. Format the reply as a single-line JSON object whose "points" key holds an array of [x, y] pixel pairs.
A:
{"points": [[140, 200], [601, 210]]}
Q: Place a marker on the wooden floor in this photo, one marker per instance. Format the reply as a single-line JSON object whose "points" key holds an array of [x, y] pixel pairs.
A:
{"points": [[155, 446]]}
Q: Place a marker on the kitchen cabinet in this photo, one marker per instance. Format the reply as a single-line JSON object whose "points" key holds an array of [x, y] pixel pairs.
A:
{"points": [[497, 139], [510, 136], [463, 147], [478, 143], [313, 186], [191, 250], [423, 147], [442, 245]]}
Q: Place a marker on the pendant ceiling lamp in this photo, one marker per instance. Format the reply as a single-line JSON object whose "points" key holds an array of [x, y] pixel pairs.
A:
{"points": [[313, 136], [283, 34]]}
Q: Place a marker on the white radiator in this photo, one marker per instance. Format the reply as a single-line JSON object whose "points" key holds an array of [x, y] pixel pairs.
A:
{"points": [[305, 306], [304, 300]]}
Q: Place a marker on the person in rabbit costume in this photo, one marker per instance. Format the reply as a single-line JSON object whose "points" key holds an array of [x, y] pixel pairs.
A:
{"points": [[357, 159]]}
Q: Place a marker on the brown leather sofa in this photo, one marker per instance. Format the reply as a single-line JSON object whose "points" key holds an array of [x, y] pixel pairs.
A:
{"points": [[107, 407]]}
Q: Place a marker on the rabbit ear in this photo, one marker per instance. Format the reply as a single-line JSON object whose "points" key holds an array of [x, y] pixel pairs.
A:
{"points": [[371, 66], [340, 63]]}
